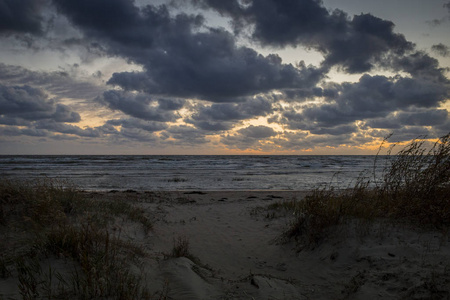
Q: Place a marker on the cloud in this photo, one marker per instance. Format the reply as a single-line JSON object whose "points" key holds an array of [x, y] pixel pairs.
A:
{"points": [[356, 44], [183, 135], [15, 131], [251, 137], [68, 129], [33, 104], [59, 83], [415, 117], [51, 129], [149, 126], [441, 49], [443, 20], [197, 84], [257, 132], [140, 106], [181, 57], [371, 98], [135, 134], [377, 101], [20, 16], [304, 141], [222, 116], [218, 78], [420, 65]]}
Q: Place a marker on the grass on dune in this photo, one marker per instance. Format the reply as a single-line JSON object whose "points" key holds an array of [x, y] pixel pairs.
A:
{"points": [[45, 219], [414, 188]]}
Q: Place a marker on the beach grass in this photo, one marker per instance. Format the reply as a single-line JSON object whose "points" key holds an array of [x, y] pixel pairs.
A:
{"points": [[414, 188], [51, 221]]}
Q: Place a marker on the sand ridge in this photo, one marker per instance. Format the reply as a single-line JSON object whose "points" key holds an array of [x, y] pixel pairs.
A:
{"points": [[238, 254], [236, 251]]}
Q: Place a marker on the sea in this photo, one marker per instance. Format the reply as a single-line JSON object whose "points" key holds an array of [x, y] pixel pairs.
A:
{"points": [[191, 172]]}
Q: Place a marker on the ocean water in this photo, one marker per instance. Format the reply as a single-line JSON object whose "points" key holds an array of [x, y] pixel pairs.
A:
{"points": [[165, 173]]}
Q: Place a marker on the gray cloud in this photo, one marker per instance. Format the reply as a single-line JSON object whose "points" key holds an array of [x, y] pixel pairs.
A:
{"points": [[30, 103], [443, 20], [68, 129], [183, 61], [139, 106], [354, 43], [250, 137], [371, 97], [149, 126], [15, 131], [303, 141], [441, 49], [21, 16], [135, 134], [415, 117], [257, 132], [184, 136], [181, 57], [60, 83], [420, 65], [222, 116]]}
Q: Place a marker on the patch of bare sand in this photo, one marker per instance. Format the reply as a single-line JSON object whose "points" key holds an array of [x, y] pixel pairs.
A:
{"points": [[236, 252]]}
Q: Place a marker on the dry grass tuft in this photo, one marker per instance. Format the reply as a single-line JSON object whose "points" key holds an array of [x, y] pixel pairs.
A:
{"points": [[415, 188], [50, 219]]}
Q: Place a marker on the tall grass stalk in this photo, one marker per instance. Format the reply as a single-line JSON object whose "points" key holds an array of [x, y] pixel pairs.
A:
{"points": [[414, 187], [48, 218]]}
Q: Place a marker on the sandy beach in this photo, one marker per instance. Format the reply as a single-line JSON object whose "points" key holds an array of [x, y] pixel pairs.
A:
{"points": [[236, 251]]}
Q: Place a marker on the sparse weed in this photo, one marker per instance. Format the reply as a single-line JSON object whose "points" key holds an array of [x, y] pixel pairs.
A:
{"points": [[55, 220], [415, 187], [180, 247]]}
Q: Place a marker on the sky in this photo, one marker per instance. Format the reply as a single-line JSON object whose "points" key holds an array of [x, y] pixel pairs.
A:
{"points": [[221, 77]]}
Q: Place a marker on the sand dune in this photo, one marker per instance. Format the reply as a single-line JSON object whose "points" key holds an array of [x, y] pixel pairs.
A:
{"points": [[235, 251]]}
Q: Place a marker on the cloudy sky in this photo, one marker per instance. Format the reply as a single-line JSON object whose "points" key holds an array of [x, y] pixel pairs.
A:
{"points": [[221, 77]]}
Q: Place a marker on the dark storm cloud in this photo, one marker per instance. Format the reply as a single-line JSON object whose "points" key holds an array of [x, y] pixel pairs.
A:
{"points": [[420, 65], [29, 103], [181, 57], [227, 78], [371, 97], [222, 116], [20, 16], [441, 49], [139, 106], [354, 43], [171, 104]]}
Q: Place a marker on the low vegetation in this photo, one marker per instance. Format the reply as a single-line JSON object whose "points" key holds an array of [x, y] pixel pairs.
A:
{"points": [[414, 187], [58, 244]]}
